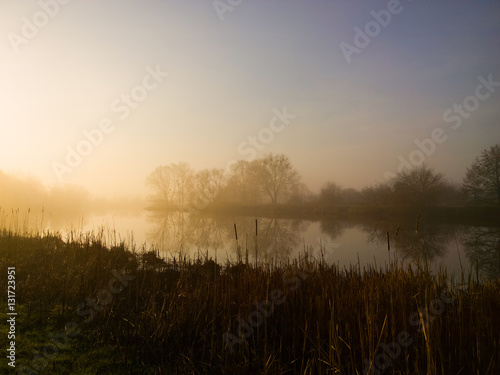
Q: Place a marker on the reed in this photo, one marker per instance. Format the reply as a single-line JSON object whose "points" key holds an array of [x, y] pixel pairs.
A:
{"points": [[177, 313]]}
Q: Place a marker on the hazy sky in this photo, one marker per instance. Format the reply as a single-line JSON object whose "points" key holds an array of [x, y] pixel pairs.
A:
{"points": [[229, 73]]}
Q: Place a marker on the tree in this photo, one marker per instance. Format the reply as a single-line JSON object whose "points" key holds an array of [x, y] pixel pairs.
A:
{"points": [[277, 176], [378, 195], [419, 187], [208, 185], [161, 181], [330, 193], [300, 194], [172, 183], [482, 179], [244, 183], [482, 247]]}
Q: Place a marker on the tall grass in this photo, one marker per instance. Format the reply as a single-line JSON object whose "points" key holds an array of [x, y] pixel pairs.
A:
{"points": [[173, 318]]}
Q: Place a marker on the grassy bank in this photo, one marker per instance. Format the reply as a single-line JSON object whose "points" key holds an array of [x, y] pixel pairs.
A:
{"points": [[88, 306]]}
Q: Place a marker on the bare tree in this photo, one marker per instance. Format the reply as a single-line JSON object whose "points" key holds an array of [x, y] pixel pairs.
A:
{"points": [[482, 247], [243, 182], [161, 180], [378, 195], [300, 193], [420, 186], [330, 193], [277, 176], [208, 185], [172, 183], [482, 180], [183, 182]]}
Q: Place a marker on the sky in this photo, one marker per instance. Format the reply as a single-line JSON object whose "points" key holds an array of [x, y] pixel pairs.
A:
{"points": [[100, 93]]}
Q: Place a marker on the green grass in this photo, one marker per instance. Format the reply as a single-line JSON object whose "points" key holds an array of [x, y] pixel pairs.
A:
{"points": [[175, 314]]}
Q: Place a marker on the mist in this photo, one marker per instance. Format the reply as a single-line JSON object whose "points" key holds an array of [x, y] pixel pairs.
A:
{"points": [[104, 119], [24, 197]]}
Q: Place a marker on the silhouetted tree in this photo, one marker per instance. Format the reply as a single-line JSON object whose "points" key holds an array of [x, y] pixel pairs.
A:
{"points": [[420, 186], [161, 180], [482, 247], [244, 185], [277, 176], [172, 183], [208, 185], [184, 182], [300, 193], [378, 195], [351, 195], [330, 193], [482, 180]]}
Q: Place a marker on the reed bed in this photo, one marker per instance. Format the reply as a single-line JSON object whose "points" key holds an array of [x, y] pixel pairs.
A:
{"points": [[194, 316]]}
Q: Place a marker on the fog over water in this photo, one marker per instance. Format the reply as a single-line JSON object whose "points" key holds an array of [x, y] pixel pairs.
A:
{"points": [[100, 94], [128, 116]]}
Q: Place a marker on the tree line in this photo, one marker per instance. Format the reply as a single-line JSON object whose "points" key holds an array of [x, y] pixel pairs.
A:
{"points": [[273, 179]]}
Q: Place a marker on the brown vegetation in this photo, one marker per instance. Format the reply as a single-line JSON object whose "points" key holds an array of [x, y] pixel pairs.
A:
{"points": [[189, 315]]}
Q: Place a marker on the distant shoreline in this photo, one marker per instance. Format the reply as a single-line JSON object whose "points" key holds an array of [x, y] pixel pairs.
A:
{"points": [[470, 215]]}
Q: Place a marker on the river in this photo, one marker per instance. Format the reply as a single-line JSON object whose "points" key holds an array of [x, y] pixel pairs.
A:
{"points": [[362, 243]]}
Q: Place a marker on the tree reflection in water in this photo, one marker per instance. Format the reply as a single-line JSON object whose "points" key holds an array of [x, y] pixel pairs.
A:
{"points": [[181, 233], [184, 233], [421, 244], [278, 238], [482, 247]]}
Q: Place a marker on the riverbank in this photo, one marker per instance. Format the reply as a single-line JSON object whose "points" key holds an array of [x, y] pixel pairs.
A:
{"points": [[466, 215], [126, 310]]}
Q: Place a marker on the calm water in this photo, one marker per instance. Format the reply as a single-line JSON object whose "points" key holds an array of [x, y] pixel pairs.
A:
{"points": [[341, 242]]}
